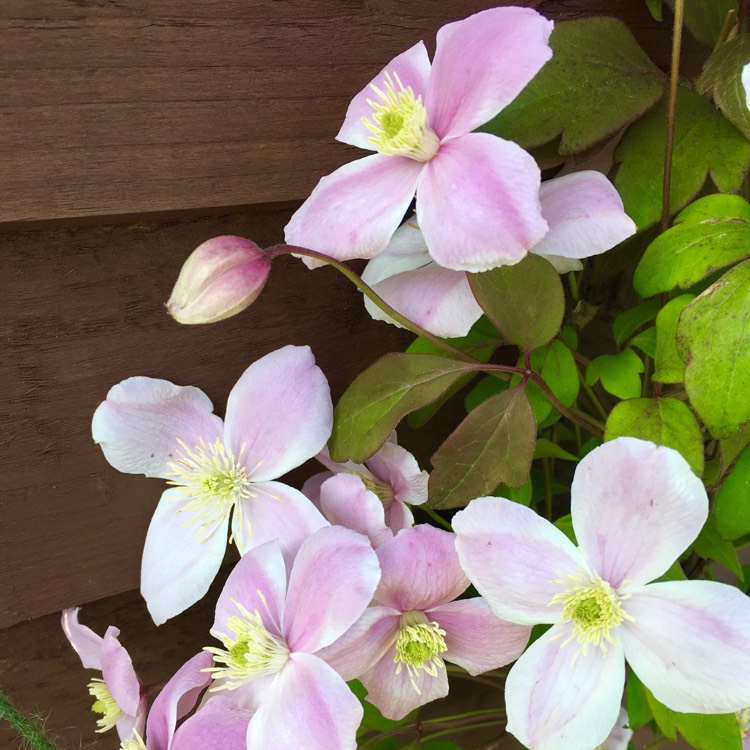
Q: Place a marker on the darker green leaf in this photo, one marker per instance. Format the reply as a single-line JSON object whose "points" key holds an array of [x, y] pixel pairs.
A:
{"points": [[733, 500], [705, 18], [669, 367], [711, 546]]}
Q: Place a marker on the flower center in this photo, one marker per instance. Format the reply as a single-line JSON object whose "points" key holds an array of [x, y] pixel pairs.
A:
{"points": [[593, 606], [418, 646], [399, 122], [383, 490], [105, 705], [250, 652], [134, 743]]}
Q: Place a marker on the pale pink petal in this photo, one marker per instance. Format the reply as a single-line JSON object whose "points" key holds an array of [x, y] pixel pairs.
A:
{"points": [[585, 216], [258, 583], [420, 569], [119, 675], [395, 466], [311, 487], [139, 424], [478, 203], [477, 639], [620, 735], [364, 643], [309, 700], [333, 579], [275, 511], [176, 699], [636, 507], [345, 502], [279, 414], [126, 725], [394, 694], [560, 263], [86, 643], [324, 457], [412, 68], [481, 64], [514, 558], [557, 703], [398, 516], [690, 645], [406, 251], [218, 725], [181, 556], [353, 212]]}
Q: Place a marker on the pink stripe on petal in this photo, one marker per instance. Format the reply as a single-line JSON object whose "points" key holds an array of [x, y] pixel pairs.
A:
{"points": [[353, 212], [218, 725], [481, 65], [86, 643], [690, 644], [478, 203]]}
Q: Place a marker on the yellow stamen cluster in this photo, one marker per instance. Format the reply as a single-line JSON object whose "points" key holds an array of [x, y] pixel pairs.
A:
{"points": [[105, 705], [418, 646], [134, 743], [381, 489], [743, 719], [399, 122]]}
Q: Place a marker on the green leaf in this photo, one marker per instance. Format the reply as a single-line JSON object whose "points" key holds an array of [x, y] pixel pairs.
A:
{"points": [[705, 144], [710, 545], [619, 373], [639, 712], [525, 301], [565, 524], [382, 395], [712, 337], [547, 449], [521, 495], [628, 322], [689, 252], [733, 500], [569, 336], [713, 207], [486, 387], [645, 341], [655, 9], [591, 54], [705, 18], [494, 444], [372, 718], [669, 365]]}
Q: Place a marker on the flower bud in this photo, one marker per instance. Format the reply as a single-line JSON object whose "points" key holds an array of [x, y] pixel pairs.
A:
{"points": [[221, 277]]}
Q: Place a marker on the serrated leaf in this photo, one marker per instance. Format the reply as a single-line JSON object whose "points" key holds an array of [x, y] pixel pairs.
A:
{"points": [[712, 546], [713, 207], [712, 337], [525, 301], [733, 500], [705, 144], [382, 395], [669, 367], [629, 321], [618, 373], [494, 444], [705, 18], [591, 54]]}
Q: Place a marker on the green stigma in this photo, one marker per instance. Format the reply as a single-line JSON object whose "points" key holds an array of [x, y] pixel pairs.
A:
{"points": [[419, 646], [105, 705]]}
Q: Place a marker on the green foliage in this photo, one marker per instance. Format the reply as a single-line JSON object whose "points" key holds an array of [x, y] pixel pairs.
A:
{"points": [[494, 444], [664, 421], [521, 495], [711, 546], [655, 9], [486, 387], [705, 144], [712, 337], [645, 341], [733, 500], [547, 449], [628, 322], [669, 365], [565, 524], [618, 373], [714, 207], [382, 395], [590, 55], [373, 719], [705, 18], [28, 730], [639, 712], [525, 301]]}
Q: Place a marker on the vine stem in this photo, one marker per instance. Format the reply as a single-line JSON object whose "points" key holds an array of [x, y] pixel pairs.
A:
{"points": [[434, 516], [674, 75]]}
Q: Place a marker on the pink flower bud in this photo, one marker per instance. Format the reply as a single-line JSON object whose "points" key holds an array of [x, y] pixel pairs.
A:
{"points": [[221, 277]]}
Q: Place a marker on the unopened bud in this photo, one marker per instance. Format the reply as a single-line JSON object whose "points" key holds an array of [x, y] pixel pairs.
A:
{"points": [[221, 278]]}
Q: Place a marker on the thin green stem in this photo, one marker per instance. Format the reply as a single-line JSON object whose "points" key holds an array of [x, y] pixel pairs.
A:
{"points": [[547, 465], [28, 729], [464, 728], [573, 286], [592, 396], [465, 715], [435, 516], [594, 426]]}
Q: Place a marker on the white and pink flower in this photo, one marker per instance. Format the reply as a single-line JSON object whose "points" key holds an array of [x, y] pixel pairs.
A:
{"points": [[635, 508]]}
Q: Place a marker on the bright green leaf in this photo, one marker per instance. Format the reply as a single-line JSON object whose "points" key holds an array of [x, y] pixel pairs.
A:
{"points": [[712, 337], [628, 322], [521, 495], [591, 54], [486, 387], [639, 712], [705, 18], [645, 341], [711, 546], [713, 207], [569, 336], [547, 449], [372, 718], [619, 373], [565, 524], [733, 500], [494, 444], [669, 367]]}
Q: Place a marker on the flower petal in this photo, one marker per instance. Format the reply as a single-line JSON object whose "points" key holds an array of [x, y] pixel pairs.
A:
{"points": [[311, 487], [585, 216], [181, 556], [280, 411], [395, 466], [333, 579], [353, 212], [420, 569], [398, 517], [218, 725], [142, 419], [309, 700], [478, 203], [481, 64], [690, 645], [556, 702], [412, 68], [514, 558], [560, 263], [86, 643], [636, 507], [119, 675], [477, 639]]}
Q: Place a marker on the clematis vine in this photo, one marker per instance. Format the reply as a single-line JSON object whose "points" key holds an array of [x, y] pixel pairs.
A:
{"points": [[635, 508], [585, 216], [399, 646], [477, 194], [273, 622], [279, 414], [118, 694]]}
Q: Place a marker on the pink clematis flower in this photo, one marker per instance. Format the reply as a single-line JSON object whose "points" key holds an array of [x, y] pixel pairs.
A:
{"points": [[585, 216], [398, 647], [273, 626], [392, 475], [279, 414], [118, 695], [477, 194], [620, 736], [635, 508]]}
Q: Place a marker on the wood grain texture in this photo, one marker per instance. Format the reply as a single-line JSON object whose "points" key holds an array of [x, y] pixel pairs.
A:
{"points": [[119, 107]]}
